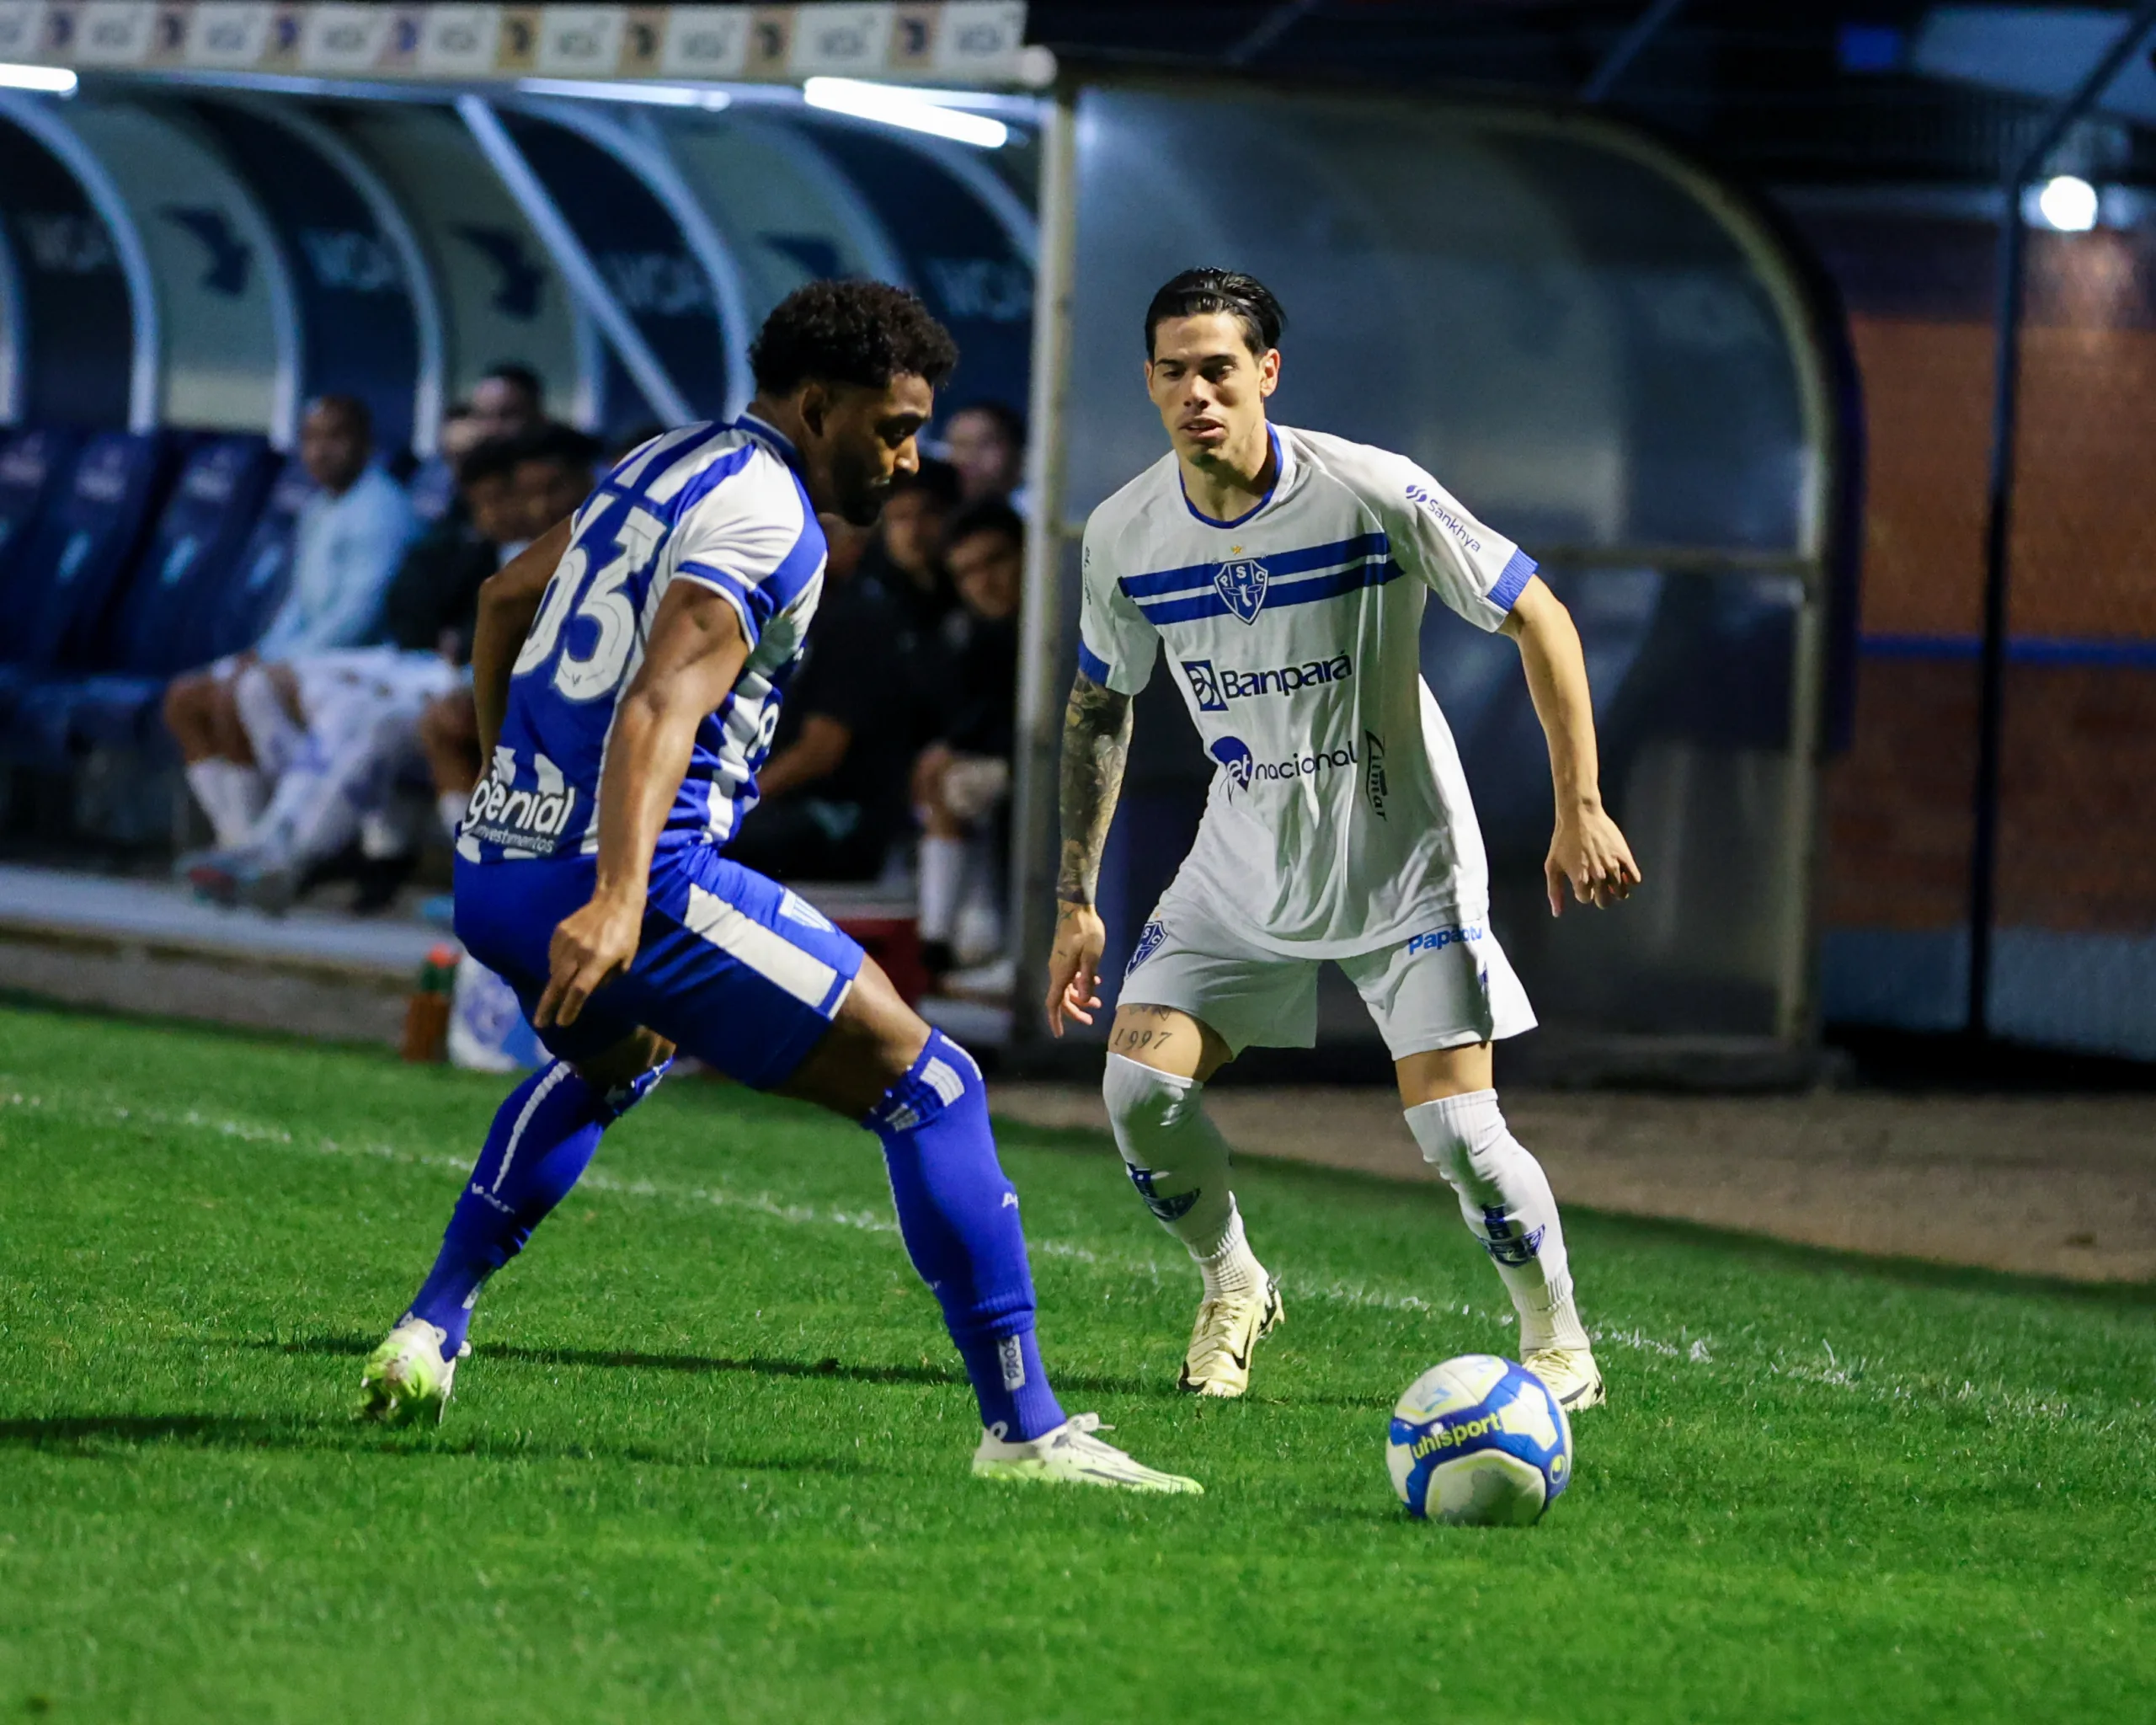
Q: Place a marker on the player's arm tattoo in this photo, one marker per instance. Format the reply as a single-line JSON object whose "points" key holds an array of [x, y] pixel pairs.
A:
{"points": [[1096, 743]]}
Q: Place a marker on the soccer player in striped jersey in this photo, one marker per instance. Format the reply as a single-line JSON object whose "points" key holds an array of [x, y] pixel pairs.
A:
{"points": [[1285, 572], [627, 673]]}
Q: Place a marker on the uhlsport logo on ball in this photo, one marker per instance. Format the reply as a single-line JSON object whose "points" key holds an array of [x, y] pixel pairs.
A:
{"points": [[1480, 1442]]}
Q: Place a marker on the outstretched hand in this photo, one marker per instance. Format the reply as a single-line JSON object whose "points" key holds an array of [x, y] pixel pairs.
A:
{"points": [[590, 948], [1588, 854], [1074, 978]]}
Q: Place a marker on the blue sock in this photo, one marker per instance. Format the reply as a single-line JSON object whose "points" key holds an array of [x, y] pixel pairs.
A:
{"points": [[959, 1216], [543, 1140]]}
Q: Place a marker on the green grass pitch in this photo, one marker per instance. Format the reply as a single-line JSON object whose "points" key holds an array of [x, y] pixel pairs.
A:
{"points": [[709, 1459]]}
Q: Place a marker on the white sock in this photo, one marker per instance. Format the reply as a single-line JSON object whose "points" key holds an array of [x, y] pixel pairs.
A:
{"points": [[450, 807], [1178, 1161], [274, 735], [232, 796], [1234, 1269], [942, 874], [1506, 1199]]}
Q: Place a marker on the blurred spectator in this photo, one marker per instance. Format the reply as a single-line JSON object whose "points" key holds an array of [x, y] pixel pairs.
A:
{"points": [[547, 474], [834, 786], [433, 488], [432, 604], [508, 402], [986, 440], [352, 715], [226, 718], [961, 781], [904, 556]]}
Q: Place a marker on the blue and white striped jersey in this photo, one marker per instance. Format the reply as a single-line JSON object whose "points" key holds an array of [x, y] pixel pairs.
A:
{"points": [[718, 504], [1339, 820]]}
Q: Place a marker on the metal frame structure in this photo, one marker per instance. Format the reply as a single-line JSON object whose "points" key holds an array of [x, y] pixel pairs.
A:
{"points": [[636, 150], [614, 325], [145, 362], [11, 336], [381, 203], [2006, 385]]}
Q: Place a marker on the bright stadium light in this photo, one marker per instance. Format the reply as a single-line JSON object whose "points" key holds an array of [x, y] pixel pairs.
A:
{"points": [[2069, 203], [657, 95], [50, 80], [898, 105]]}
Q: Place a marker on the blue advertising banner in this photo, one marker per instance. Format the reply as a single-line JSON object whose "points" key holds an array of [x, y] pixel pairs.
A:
{"points": [[358, 335], [78, 323], [640, 253], [959, 255]]}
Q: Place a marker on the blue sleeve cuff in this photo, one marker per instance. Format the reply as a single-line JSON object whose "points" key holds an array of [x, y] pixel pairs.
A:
{"points": [[1512, 581], [754, 603], [1091, 665]]}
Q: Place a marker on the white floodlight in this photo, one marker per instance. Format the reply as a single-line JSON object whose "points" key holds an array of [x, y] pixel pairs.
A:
{"points": [[2069, 203], [899, 105], [655, 95], [49, 80]]}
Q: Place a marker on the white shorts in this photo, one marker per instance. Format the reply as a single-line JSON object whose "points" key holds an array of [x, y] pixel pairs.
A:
{"points": [[1446, 987]]}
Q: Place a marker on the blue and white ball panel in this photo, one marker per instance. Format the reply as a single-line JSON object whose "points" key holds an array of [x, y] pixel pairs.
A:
{"points": [[1479, 1441], [733, 968]]}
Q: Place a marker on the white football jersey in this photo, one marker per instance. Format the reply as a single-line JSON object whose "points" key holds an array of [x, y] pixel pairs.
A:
{"points": [[1338, 821]]}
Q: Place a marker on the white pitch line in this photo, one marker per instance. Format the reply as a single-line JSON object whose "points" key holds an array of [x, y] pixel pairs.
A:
{"points": [[1695, 1351]]}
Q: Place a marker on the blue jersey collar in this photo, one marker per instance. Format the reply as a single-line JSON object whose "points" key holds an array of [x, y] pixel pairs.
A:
{"points": [[1279, 473], [772, 434]]}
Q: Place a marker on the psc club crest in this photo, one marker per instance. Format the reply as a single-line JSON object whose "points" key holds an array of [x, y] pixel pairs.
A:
{"points": [[1242, 584]]}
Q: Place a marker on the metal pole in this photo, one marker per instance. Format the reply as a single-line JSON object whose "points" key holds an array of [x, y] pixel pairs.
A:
{"points": [[1035, 845], [1627, 48], [1275, 24], [582, 273], [1991, 686]]}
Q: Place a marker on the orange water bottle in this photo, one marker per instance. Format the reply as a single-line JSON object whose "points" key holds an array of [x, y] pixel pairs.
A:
{"points": [[426, 1012]]}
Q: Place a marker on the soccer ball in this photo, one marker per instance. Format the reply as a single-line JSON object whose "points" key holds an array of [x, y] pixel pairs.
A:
{"points": [[1480, 1442]]}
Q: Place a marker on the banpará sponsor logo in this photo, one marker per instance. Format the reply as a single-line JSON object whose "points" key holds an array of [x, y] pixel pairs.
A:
{"points": [[1246, 769], [1216, 688], [1452, 523], [1437, 938]]}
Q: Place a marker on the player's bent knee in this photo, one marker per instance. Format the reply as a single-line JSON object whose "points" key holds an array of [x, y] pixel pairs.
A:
{"points": [[1143, 1100], [640, 1052], [871, 1045], [1168, 1040], [1465, 1140]]}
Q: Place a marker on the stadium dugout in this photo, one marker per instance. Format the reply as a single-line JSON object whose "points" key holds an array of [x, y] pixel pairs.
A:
{"points": [[1603, 345]]}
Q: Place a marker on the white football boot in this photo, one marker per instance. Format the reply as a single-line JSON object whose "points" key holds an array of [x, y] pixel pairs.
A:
{"points": [[406, 1378], [1071, 1456], [1228, 1328], [1570, 1376]]}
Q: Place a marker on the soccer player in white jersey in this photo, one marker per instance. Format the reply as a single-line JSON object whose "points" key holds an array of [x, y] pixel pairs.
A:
{"points": [[1284, 573], [627, 673]]}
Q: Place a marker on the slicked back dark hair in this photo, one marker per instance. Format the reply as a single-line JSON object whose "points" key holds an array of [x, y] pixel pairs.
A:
{"points": [[1195, 293], [850, 331]]}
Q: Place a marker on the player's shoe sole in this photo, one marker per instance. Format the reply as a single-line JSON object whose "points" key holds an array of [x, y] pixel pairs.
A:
{"points": [[406, 1382], [1071, 1456], [1227, 1333], [1570, 1376]]}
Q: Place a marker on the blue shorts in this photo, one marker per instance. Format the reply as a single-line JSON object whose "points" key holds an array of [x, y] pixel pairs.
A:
{"points": [[732, 968]]}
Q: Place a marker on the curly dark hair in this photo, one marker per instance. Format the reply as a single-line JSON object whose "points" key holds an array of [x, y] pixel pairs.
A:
{"points": [[1244, 298], [850, 331]]}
